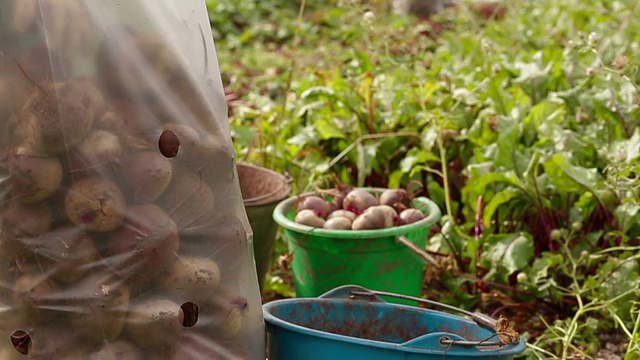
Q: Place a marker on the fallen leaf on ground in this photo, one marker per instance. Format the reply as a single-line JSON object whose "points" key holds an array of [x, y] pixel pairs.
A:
{"points": [[505, 331]]}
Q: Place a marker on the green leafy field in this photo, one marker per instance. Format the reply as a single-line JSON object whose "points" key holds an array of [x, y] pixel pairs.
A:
{"points": [[521, 125]]}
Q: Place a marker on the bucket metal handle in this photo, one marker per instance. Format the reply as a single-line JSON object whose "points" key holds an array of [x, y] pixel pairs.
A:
{"points": [[423, 254], [287, 181], [479, 318]]}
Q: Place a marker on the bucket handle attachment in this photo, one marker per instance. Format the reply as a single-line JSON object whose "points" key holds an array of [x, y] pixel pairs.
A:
{"points": [[481, 319], [423, 254], [288, 179]]}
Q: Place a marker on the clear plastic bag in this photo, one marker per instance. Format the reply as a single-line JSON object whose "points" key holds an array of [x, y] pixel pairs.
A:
{"points": [[123, 233]]}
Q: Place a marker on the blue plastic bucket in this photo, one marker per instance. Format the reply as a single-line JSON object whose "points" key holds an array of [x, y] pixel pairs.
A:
{"points": [[343, 325]]}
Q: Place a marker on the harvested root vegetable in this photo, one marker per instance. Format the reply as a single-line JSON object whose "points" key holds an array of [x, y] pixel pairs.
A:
{"points": [[397, 198], [154, 324], [33, 175], [64, 112], [99, 306], [23, 221], [310, 218], [315, 203], [193, 278], [223, 315], [32, 293], [145, 176], [338, 223], [128, 119], [66, 253], [227, 239], [373, 219], [390, 214], [145, 244], [126, 128], [342, 213], [215, 163], [97, 150], [410, 216], [96, 203], [188, 200], [358, 200]]}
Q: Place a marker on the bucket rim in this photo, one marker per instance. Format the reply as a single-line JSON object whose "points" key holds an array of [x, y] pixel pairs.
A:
{"points": [[273, 320], [421, 202], [260, 199]]}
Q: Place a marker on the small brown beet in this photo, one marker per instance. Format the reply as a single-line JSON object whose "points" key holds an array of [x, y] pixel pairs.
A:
{"points": [[25, 260], [34, 293], [194, 278], [98, 306], [154, 324], [226, 240], [96, 203], [343, 213], [369, 221], [188, 200], [358, 200], [338, 223], [397, 198], [410, 216], [19, 221], [145, 244], [67, 253], [213, 159], [65, 112], [125, 118], [97, 150], [145, 176], [319, 206], [390, 214], [310, 218], [33, 175], [223, 315]]}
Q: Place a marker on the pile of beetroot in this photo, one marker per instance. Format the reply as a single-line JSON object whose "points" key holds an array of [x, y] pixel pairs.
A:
{"points": [[357, 209]]}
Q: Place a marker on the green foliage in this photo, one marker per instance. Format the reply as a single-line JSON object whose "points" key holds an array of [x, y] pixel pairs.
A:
{"points": [[523, 129]]}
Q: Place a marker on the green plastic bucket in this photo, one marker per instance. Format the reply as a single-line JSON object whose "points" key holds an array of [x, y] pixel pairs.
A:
{"points": [[262, 189], [375, 259]]}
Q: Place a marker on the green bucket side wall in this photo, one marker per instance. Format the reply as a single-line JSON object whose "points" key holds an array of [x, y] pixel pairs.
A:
{"points": [[392, 267]]}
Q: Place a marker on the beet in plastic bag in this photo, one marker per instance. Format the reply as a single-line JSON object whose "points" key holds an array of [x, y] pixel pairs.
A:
{"points": [[123, 231]]}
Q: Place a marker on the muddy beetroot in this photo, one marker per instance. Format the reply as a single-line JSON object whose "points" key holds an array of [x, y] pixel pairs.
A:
{"points": [[358, 200], [315, 203], [410, 216]]}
